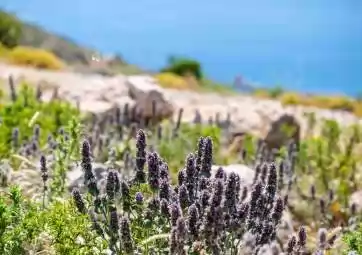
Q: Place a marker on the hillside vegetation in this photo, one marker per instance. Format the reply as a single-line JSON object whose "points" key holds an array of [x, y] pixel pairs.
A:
{"points": [[158, 194]]}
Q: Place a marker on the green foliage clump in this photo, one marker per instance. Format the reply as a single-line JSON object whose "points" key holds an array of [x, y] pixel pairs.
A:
{"points": [[25, 111], [353, 240], [26, 227], [337, 173], [10, 29], [184, 66], [276, 92]]}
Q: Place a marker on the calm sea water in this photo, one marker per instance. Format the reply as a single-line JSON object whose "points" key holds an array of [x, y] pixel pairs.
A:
{"points": [[309, 45]]}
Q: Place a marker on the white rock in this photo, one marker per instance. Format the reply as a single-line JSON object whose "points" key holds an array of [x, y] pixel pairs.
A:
{"points": [[356, 198], [139, 85], [245, 173], [95, 106]]}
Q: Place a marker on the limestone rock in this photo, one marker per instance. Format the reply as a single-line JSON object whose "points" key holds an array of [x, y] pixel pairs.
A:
{"points": [[284, 129], [140, 85], [5, 173], [94, 106], [150, 103], [356, 199], [235, 143]]}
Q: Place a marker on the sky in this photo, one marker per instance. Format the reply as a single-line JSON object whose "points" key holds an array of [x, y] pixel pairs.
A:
{"points": [[307, 45]]}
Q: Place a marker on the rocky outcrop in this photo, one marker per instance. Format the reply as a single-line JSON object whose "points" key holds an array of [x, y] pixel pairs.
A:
{"points": [[140, 85], [150, 103], [356, 201], [285, 129]]}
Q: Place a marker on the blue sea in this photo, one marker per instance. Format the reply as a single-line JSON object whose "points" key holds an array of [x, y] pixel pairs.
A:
{"points": [[304, 45]]}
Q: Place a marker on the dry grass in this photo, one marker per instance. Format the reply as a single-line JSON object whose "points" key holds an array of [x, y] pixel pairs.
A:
{"points": [[261, 93], [173, 81], [3, 52], [343, 103], [27, 56], [324, 102], [189, 82]]}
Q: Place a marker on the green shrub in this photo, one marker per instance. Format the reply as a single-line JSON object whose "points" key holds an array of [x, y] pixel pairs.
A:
{"points": [[353, 240], [276, 92], [24, 112], [10, 29], [184, 66], [27, 228]]}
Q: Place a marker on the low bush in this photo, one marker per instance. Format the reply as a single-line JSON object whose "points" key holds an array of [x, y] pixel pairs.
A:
{"points": [[26, 227], [275, 92], [354, 241], [35, 58], [183, 67], [290, 99], [24, 113]]}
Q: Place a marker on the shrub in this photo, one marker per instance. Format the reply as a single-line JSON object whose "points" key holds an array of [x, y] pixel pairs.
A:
{"points": [[24, 112], [290, 99], [10, 29], [34, 57], [26, 227], [354, 241], [184, 66], [276, 91]]}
